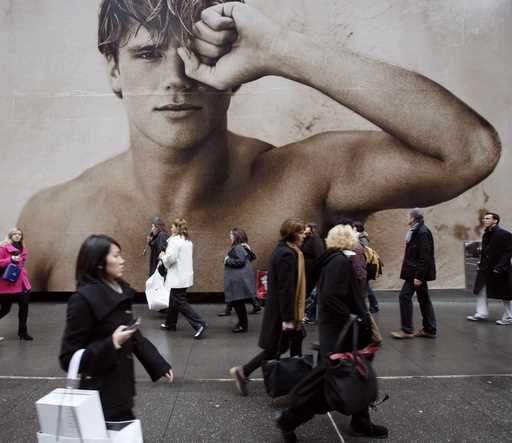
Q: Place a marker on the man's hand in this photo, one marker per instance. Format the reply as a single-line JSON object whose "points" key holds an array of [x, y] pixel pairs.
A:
{"points": [[239, 37], [417, 282]]}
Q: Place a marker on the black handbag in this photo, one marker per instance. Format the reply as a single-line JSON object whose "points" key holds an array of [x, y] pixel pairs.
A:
{"points": [[282, 374], [350, 384]]}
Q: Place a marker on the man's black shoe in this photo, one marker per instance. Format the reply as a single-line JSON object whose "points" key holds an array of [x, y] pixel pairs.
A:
{"points": [[369, 430], [224, 314], [168, 327]]}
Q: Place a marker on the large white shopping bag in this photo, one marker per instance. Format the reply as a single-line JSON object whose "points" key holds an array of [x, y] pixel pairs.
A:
{"points": [[75, 415], [156, 294]]}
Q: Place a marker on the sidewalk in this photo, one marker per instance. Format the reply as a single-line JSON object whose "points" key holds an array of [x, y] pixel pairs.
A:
{"points": [[455, 388]]}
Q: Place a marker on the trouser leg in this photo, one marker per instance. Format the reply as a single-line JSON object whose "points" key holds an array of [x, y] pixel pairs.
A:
{"points": [[241, 313], [5, 308], [482, 309], [426, 308], [295, 339], [257, 361], [405, 299], [507, 310], [374, 304], [172, 312], [22, 313], [184, 308]]}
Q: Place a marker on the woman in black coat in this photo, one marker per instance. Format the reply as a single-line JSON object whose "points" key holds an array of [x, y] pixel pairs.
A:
{"points": [[96, 321], [339, 297], [282, 325]]}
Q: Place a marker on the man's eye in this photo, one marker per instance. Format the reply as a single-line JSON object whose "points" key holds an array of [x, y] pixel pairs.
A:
{"points": [[150, 55]]}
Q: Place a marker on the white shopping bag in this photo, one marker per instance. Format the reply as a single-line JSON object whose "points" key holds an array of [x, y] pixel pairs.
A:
{"points": [[156, 294], [75, 415]]}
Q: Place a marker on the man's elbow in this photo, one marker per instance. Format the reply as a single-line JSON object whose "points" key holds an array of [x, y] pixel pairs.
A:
{"points": [[483, 150]]}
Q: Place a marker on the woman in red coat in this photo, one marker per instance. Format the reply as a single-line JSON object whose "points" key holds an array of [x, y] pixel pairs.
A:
{"points": [[13, 251]]}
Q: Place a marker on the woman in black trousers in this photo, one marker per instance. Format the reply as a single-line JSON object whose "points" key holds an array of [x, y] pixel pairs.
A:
{"points": [[339, 297], [96, 321], [282, 326]]}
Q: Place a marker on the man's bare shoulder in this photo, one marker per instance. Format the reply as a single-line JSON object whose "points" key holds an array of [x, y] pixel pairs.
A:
{"points": [[52, 202]]}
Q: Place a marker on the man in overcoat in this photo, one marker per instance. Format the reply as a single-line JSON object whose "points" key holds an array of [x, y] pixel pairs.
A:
{"points": [[418, 267], [493, 279]]}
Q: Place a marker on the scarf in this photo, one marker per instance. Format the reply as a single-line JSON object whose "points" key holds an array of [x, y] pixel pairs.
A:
{"points": [[300, 293], [410, 231]]}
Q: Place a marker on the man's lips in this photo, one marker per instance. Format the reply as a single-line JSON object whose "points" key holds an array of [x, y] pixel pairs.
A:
{"points": [[178, 107]]}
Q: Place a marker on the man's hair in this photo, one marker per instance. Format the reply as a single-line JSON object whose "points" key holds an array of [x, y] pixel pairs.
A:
{"points": [[359, 226], [494, 216], [416, 214], [181, 228], [163, 19], [290, 229]]}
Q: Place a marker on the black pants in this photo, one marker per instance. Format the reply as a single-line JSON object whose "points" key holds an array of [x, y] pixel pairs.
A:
{"points": [[124, 415], [22, 300], [426, 308], [178, 304], [290, 340], [241, 312]]}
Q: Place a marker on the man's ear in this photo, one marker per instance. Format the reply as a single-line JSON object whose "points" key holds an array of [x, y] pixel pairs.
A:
{"points": [[114, 76]]}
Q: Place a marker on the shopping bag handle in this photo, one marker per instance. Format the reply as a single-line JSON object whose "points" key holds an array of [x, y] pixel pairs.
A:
{"points": [[74, 367]]}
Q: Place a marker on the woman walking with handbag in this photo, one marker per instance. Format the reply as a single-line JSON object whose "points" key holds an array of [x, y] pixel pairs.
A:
{"points": [[178, 260], [339, 298], [99, 319], [239, 277], [282, 327], [13, 255]]}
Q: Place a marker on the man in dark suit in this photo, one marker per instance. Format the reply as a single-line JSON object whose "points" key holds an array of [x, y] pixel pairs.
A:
{"points": [[418, 267], [493, 277]]}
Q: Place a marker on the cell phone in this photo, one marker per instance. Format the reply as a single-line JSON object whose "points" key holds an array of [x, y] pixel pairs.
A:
{"points": [[133, 324]]}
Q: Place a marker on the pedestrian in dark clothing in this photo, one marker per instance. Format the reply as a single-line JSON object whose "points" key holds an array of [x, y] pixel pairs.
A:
{"points": [[157, 242], [96, 320], [365, 241], [312, 248], [493, 278], [239, 277], [339, 297], [282, 327], [418, 267]]}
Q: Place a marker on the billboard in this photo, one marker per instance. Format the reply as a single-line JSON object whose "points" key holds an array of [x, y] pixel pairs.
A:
{"points": [[246, 116]]}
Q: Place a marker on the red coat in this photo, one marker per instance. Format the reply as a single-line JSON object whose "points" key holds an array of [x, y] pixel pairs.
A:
{"points": [[20, 285]]}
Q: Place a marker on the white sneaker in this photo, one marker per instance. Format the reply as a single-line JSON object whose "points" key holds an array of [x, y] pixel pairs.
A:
{"points": [[504, 322], [476, 317]]}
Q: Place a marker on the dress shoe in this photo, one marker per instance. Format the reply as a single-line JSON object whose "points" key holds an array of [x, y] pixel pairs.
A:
{"points": [[368, 430], [240, 380], [288, 435], [199, 332], [401, 334], [424, 334], [167, 327], [237, 329], [26, 337], [224, 314]]}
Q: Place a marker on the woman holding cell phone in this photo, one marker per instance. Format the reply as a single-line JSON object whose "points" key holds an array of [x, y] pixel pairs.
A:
{"points": [[99, 320]]}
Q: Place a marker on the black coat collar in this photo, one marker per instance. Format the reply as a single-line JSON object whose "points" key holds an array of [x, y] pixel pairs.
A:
{"points": [[103, 299]]}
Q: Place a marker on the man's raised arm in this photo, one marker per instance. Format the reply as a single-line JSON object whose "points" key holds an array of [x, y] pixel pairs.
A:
{"points": [[434, 146]]}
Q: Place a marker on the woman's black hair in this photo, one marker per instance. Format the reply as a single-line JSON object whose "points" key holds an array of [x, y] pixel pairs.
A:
{"points": [[239, 236], [92, 259]]}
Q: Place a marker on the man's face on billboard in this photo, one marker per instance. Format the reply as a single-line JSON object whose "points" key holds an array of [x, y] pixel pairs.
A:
{"points": [[163, 105]]}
